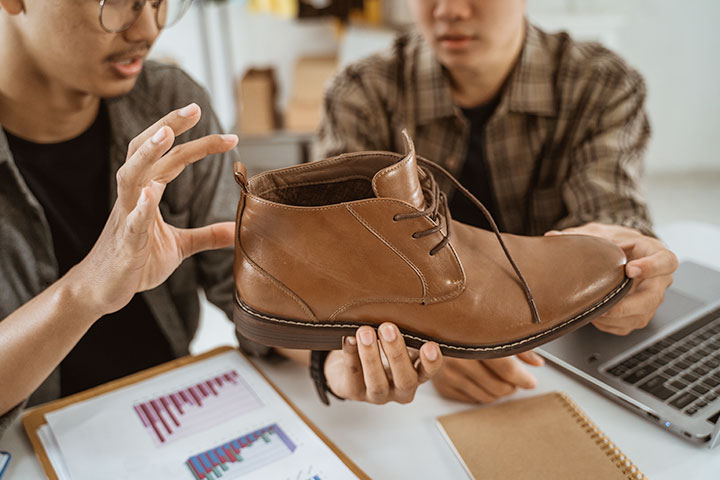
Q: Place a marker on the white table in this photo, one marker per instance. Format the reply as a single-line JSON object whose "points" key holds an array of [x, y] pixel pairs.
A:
{"points": [[402, 441]]}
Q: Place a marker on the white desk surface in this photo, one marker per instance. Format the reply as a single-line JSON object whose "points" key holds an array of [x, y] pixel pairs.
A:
{"points": [[402, 441]]}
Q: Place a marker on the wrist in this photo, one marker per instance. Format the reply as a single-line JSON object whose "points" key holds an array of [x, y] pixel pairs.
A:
{"points": [[328, 369], [74, 293], [318, 372]]}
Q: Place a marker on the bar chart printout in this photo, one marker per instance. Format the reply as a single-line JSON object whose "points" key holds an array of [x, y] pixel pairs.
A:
{"points": [[196, 408], [242, 455]]}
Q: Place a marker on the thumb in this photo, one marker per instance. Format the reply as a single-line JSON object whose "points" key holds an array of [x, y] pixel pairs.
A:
{"points": [[210, 237]]}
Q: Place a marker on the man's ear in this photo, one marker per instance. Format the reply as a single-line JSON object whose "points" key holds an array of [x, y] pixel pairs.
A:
{"points": [[13, 7]]}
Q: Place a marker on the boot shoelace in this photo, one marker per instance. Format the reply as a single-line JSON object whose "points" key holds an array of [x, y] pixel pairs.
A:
{"points": [[438, 208]]}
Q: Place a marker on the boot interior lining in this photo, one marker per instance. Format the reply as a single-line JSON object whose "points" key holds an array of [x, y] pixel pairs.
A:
{"points": [[322, 193], [341, 179]]}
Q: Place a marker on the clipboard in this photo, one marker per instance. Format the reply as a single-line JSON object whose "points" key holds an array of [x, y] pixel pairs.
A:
{"points": [[34, 418]]}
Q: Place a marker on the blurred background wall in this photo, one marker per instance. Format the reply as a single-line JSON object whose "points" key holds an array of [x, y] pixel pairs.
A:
{"points": [[675, 45]]}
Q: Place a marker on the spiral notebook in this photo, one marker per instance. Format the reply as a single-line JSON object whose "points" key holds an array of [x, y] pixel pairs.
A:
{"points": [[539, 438]]}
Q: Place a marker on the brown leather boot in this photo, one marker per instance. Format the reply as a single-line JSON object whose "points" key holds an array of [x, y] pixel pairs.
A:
{"points": [[367, 238]]}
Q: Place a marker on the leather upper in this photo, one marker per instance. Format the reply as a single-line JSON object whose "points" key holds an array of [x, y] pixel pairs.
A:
{"points": [[321, 242]]}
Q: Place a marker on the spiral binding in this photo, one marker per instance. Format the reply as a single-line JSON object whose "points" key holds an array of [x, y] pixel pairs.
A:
{"points": [[610, 449]]}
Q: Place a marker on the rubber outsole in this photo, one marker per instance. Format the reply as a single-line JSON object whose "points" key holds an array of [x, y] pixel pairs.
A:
{"points": [[297, 334]]}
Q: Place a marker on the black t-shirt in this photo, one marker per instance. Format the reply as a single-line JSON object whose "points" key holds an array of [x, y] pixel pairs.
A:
{"points": [[71, 181], [475, 175]]}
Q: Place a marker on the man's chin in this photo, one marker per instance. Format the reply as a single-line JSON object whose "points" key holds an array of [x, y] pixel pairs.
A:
{"points": [[116, 88]]}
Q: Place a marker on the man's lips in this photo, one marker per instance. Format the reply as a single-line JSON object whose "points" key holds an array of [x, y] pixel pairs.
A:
{"points": [[128, 65], [454, 41]]}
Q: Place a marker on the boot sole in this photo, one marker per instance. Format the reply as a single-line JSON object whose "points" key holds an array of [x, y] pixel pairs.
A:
{"points": [[289, 333]]}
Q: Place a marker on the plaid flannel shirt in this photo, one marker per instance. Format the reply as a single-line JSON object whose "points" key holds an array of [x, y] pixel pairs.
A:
{"points": [[564, 146]]}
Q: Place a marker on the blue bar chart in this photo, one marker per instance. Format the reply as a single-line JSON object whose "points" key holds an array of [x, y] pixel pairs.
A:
{"points": [[197, 407], [242, 455]]}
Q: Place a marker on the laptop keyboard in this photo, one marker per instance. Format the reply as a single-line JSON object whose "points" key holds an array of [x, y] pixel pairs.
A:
{"points": [[682, 369]]}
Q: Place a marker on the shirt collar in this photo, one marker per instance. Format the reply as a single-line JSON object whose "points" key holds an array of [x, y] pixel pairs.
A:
{"points": [[529, 89]]}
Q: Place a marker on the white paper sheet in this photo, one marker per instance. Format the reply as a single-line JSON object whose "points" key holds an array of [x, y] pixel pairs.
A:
{"points": [[52, 450], [162, 428]]}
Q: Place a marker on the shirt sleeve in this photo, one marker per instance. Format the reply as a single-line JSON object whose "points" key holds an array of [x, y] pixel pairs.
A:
{"points": [[8, 418], [354, 115], [606, 165]]}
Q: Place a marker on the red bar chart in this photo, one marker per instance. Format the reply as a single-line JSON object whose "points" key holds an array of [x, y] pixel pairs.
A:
{"points": [[242, 455], [197, 407]]}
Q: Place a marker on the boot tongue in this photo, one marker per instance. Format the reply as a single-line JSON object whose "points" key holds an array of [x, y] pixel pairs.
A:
{"points": [[400, 180]]}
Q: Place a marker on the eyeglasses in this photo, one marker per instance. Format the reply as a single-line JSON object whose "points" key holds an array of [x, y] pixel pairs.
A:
{"points": [[118, 15]]}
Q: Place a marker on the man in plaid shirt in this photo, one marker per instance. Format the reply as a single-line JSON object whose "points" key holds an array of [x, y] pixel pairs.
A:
{"points": [[547, 132]]}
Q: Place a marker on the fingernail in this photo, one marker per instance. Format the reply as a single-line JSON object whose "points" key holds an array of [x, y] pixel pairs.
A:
{"points": [[387, 332], [159, 136], [540, 359], [431, 353], [633, 271], [351, 341], [229, 137], [366, 337], [189, 111], [553, 232]]}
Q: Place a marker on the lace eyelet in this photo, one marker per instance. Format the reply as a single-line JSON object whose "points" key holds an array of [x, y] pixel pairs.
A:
{"points": [[415, 235], [395, 219]]}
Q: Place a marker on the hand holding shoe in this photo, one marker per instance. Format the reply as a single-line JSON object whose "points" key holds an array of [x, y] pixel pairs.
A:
{"points": [[358, 372], [650, 264]]}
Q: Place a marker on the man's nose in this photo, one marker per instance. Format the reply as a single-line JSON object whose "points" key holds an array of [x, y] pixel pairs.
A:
{"points": [[145, 27], [452, 9]]}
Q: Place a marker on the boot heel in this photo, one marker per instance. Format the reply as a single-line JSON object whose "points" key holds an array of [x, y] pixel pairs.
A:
{"points": [[286, 333]]}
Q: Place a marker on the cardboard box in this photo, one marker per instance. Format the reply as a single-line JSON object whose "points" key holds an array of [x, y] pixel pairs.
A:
{"points": [[311, 75], [256, 95]]}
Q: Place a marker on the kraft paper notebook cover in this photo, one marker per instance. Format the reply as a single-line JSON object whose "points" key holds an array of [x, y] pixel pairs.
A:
{"points": [[34, 419], [546, 437]]}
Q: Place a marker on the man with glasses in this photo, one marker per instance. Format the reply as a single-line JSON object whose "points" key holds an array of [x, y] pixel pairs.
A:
{"points": [[100, 200]]}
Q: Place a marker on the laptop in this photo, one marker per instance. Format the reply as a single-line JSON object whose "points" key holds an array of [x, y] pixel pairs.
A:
{"points": [[668, 372]]}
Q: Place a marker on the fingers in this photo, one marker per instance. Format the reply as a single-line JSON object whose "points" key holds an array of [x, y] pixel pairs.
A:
{"points": [[377, 386], [509, 371], [179, 121], [478, 376], [660, 263], [430, 362], [404, 375], [174, 162], [612, 329], [353, 371], [132, 177], [210, 237], [366, 377], [148, 157], [636, 309], [445, 384], [531, 358], [477, 389], [646, 298], [141, 217]]}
